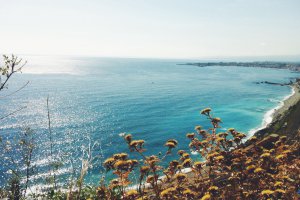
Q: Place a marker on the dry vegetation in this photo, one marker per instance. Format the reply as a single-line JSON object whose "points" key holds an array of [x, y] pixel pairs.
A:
{"points": [[266, 169]]}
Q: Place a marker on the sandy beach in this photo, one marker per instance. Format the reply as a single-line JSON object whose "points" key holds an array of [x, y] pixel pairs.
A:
{"points": [[285, 118], [288, 103]]}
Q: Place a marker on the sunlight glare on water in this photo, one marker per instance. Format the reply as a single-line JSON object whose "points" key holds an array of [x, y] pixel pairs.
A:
{"points": [[155, 100]]}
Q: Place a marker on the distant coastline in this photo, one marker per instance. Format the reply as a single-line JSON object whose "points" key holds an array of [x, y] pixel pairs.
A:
{"points": [[285, 118], [294, 66]]}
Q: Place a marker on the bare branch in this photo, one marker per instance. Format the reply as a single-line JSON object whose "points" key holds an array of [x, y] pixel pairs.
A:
{"points": [[51, 143], [1, 118], [15, 91]]}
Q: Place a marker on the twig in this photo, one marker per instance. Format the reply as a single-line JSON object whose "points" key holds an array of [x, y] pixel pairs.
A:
{"points": [[15, 91], [1, 118], [51, 143]]}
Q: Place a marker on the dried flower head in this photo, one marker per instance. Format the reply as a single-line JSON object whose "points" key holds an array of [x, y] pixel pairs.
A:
{"points": [[185, 156], [136, 143], [272, 151], [190, 135], [168, 193], [288, 152], [280, 157], [219, 158], [144, 169], [173, 141], [170, 145], [122, 165], [222, 134], [131, 193], [198, 165], [213, 188], [265, 155], [278, 184], [180, 152], [108, 163], [283, 138], [187, 163], [216, 120], [115, 183], [128, 138], [180, 167], [251, 168], [220, 139], [150, 179], [237, 139], [205, 111], [180, 177], [212, 155], [278, 143], [198, 128], [258, 170], [229, 143], [189, 193], [133, 162], [203, 132], [241, 135], [231, 130], [267, 192], [280, 191], [204, 143], [287, 178], [249, 161], [120, 156], [173, 163], [152, 160], [206, 197]]}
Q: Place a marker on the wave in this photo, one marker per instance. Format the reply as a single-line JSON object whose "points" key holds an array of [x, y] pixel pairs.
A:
{"points": [[268, 116], [47, 174], [43, 188], [274, 100]]}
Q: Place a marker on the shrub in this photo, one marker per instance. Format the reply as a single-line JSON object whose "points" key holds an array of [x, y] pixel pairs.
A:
{"points": [[230, 170]]}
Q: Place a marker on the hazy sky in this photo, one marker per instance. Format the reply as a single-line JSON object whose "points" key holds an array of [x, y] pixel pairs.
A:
{"points": [[151, 28]]}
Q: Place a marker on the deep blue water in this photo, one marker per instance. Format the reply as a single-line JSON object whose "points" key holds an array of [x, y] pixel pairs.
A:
{"points": [[153, 99]]}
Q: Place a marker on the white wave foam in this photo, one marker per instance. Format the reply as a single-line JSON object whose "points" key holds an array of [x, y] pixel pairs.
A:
{"points": [[268, 116], [274, 100], [43, 188], [194, 152], [41, 162], [122, 134], [47, 174]]}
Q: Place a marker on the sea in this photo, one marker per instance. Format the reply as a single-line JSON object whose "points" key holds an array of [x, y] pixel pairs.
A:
{"points": [[94, 101]]}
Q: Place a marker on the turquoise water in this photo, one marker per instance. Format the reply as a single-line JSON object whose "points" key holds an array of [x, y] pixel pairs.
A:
{"points": [[155, 100]]}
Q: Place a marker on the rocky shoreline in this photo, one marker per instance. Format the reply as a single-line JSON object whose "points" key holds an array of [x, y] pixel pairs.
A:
{"points": [[286, 119]]}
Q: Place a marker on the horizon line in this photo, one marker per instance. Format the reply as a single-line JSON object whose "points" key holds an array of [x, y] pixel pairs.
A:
{"points": [[293, 56]]}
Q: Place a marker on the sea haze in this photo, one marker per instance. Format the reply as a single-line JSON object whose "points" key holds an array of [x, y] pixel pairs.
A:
{"points": [[154, 100]]}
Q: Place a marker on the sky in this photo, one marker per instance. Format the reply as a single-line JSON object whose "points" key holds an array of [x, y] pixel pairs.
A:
{"points": [[150, 28]]}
